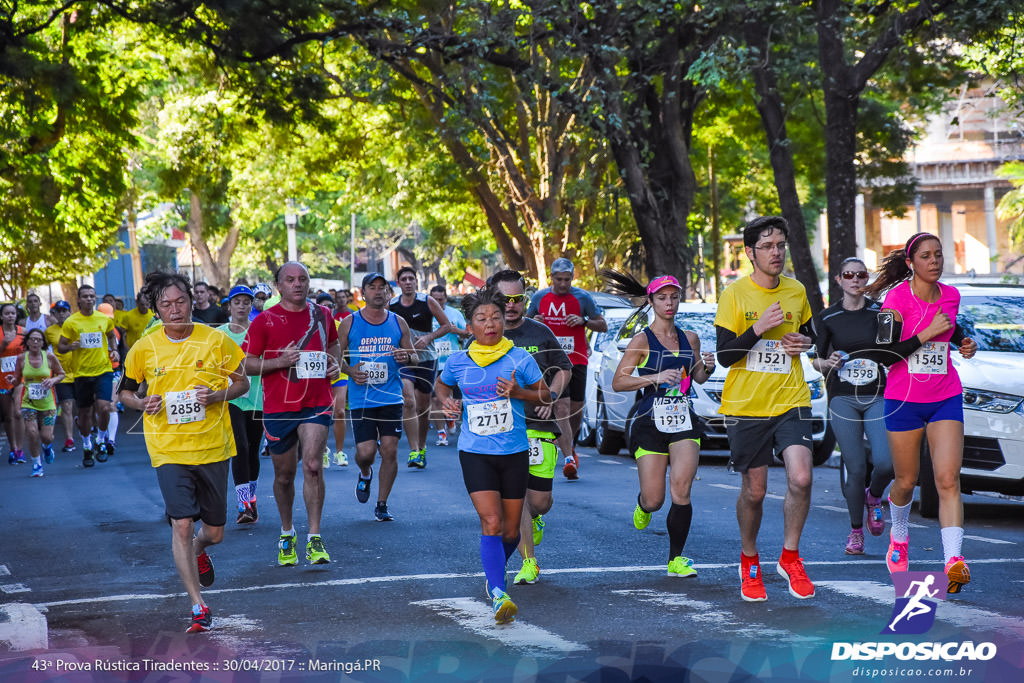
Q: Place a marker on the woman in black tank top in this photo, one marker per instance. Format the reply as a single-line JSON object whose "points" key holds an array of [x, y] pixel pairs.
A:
{"points": [[663, 432]]}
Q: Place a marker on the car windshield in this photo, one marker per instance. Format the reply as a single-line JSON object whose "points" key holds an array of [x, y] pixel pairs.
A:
{"points": [[995, 322], [703, 324]]}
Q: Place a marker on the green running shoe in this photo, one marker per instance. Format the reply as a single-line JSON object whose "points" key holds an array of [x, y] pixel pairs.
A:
{"points": [[327, 458], [316, 553], [418, 459], [537, 524], [640, 518], [286, 555], [529, 572], [681, 567], [504, 609]]}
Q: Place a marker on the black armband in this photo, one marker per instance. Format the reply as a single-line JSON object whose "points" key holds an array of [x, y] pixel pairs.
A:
{"points": [[895, 350], [127, 384]]}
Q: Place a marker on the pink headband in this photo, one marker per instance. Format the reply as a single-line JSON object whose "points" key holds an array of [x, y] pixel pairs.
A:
{"points": [[914, 239], [662, 282]]}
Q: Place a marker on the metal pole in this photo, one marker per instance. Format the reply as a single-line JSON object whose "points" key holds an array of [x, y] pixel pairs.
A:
{"points": [[352, 255], [290, 219]]}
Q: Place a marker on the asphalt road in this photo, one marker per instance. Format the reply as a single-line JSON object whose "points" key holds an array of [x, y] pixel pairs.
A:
{"points": [[89, 551]]}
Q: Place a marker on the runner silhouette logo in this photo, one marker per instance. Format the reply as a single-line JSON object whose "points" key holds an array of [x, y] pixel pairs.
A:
{"points": [[917, 595]]}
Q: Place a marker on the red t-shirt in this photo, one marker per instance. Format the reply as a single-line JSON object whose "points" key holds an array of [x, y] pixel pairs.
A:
{"points": [[342, 314], [273, 330], [556, 308]]}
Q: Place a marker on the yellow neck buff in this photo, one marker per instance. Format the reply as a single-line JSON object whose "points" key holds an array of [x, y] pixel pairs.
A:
{"points": [[485, 355]]}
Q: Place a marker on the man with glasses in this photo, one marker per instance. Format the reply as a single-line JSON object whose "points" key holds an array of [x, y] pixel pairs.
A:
{"points": [[569, 312], [763, 324]]}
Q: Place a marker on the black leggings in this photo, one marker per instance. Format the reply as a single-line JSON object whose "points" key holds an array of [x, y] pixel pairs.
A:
{"points": [[247, 426]]}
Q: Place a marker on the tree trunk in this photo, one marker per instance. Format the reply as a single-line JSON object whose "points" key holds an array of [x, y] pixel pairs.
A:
{"points": [[773, 118], [840, 181], [217, 269]]}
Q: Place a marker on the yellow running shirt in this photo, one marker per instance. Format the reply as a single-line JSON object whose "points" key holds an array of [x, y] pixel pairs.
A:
{"points": [[134, 324], [181, 433], [52, 337], [757, 386], [92, 358]]}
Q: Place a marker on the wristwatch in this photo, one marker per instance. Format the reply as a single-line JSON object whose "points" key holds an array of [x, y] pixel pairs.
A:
{"points": [[554, 397]]}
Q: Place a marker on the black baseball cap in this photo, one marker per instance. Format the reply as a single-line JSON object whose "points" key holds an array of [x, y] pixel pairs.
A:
{"points": [[370, 277]]}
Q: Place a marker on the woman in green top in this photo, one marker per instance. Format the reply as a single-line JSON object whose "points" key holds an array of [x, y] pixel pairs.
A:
{"points": [[37, 371], [246, 413]]}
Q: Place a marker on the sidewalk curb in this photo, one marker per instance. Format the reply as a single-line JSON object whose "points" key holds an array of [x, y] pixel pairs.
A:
{"points": [[22, 627]]}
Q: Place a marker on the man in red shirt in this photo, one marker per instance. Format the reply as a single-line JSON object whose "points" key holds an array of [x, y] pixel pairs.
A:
{"points": [[569, 312], [294, 346]]}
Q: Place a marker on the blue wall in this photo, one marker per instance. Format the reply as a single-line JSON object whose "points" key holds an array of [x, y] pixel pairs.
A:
{"points": [[116, 277]]}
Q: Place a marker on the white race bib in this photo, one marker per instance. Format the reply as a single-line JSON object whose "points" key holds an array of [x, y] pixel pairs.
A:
{"points": [[930, 359], [36, 392], [536, 452], [8, 363], [767, 356], [443, 347], [492, 417], [672, 414], [91, 340], [859, 372], [376, 373], [182, 407], [568, 344], [311, 365]]}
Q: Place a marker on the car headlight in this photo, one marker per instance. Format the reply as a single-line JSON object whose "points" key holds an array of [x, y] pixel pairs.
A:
{"points": [[817, 388], [714, 392], [991, 401]]}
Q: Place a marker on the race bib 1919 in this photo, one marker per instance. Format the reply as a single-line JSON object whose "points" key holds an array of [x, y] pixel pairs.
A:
{"points": [[672, 414], [767, 356], [182, 407]]}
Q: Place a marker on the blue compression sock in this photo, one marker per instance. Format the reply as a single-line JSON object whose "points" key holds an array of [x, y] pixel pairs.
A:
{"points": [[492, 556]]}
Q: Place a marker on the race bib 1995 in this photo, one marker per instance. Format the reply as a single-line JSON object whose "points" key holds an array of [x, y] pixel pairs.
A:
{"points": [[91, 340]]}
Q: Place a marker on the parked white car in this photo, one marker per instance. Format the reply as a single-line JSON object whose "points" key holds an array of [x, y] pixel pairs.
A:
{"points": [[993, 382], [605, 413]]}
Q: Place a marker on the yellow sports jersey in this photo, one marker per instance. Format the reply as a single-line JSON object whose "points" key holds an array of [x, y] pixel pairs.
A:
{"points": [[92, 357], [134, 324], [183, 432], [119, 318], [52, 337], [768, 382]]}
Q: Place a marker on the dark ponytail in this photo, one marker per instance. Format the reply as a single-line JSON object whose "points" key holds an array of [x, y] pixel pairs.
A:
{"points": [[894, 268]]}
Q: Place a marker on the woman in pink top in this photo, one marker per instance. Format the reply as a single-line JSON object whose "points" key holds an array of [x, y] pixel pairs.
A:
{"points": [[923, 395]]}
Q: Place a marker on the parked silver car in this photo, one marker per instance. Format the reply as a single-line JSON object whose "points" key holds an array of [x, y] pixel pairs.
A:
{"points": [[993, 383], [605, 414]]}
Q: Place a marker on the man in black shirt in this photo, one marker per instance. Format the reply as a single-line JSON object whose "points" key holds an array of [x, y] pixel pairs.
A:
{"points": [[205, 312]]}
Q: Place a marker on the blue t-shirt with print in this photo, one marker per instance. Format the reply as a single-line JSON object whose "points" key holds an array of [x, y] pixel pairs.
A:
{"points": [[480, 386]]}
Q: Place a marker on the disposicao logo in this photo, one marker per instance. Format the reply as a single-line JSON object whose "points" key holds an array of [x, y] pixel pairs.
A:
{"points": [[917, 596]]}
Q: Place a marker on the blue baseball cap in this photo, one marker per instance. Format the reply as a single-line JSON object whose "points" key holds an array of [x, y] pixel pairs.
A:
{"points": [[370, 277], [239, 290], [264, 289], [59, 305]]}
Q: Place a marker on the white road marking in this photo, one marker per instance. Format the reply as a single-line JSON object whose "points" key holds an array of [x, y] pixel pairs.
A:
{"points": [[24, 627], [710, 614], [611, 462], [660, 568], [478, 617], [912, 525], [961, 615], [15, 588], [984, 539], [4, 571], [727, 487], [831, 508]]}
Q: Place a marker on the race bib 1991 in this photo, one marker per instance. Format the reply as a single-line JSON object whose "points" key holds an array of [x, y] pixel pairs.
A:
{"points": [[311, 365]]}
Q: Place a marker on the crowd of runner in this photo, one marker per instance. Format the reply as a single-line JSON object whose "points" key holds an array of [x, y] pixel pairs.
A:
{"points": [[215, 377]]}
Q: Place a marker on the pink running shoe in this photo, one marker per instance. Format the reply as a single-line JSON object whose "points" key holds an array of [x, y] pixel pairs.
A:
{"points": [[876, 519], [855, 542], [896, 559]]}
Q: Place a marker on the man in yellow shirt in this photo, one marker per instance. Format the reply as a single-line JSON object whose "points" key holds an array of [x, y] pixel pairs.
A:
{"points": [[136, 320], [190, 371], [60, 312], [90, 339], [763, 325]]}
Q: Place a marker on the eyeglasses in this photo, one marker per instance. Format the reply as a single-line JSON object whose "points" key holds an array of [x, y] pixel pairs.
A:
{"points": [[779, 247], [515, 298], [850, 275]]}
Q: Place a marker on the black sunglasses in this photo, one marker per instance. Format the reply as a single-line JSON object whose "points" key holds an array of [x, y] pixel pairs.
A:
{"points": [[860, 275]]}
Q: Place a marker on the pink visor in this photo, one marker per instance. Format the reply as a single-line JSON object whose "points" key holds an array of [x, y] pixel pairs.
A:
{"points": [[662, 282]]}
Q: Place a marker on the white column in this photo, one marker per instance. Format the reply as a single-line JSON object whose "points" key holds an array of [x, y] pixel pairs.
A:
{"points": [[990, 229], [946, 235], [858, 223]]}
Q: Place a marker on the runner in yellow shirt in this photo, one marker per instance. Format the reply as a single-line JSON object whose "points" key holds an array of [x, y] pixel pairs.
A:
{"points": [[188, 372], [136, 320], [65, 390]]}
